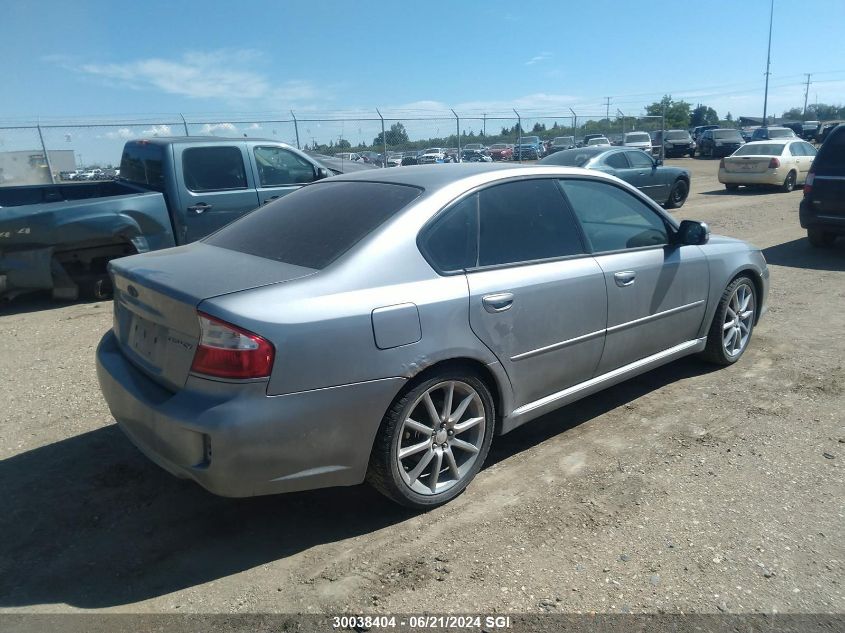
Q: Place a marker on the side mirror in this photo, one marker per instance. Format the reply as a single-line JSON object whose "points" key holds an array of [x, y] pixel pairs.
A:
{"points": [[320, 173], [658, 162], [692, 233]]}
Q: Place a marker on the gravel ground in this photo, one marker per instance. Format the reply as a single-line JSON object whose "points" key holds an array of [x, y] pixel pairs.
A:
{"points": [[687, 489]]}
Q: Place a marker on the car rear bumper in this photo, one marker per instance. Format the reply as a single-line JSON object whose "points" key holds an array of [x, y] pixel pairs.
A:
{"points": [[768, 177], [235, 440], [811, 218]]}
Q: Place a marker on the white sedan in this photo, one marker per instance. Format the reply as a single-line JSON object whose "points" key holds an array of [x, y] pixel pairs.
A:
{"points": [[599, 141], [782, 163]]}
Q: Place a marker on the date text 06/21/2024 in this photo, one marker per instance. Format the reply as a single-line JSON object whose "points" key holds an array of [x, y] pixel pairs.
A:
{"points": [[422, 621]]}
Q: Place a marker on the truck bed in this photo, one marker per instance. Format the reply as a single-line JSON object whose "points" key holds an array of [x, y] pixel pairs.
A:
{"points": [[39, 194]]}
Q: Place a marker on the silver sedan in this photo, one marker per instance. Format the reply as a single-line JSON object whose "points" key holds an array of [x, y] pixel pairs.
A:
{"points": [[386, 325]]}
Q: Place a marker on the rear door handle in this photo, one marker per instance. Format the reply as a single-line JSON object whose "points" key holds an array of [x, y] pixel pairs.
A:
{"points": [[498, 302], [200, 207], [625, 278]]}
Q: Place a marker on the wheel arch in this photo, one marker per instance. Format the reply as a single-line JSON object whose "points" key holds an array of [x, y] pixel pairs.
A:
{"points": [[756, 279]]}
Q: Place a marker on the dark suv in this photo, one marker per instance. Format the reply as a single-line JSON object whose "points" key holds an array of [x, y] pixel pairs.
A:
{"points": [[720, 142], [675, 143], [822, 210]]}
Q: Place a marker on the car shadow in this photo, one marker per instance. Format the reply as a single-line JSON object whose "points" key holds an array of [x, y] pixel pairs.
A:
{"points": [[40, 301], [800, 254], [89, 522], [742, 191]]}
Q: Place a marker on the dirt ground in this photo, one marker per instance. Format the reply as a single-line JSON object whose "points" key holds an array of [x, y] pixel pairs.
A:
{"points": [[687, 489]]}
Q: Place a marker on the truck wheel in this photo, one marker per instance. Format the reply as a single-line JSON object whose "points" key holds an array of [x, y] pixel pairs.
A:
{"points": [[98, 288], [820, 239]]}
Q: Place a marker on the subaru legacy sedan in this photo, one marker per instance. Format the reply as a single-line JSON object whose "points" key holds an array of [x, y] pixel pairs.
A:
{"points": [[384, 326]]}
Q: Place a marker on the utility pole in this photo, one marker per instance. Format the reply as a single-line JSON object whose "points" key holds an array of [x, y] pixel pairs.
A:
{"points": [[574, 122], [806, 94], [607, 111], [768, 64]]}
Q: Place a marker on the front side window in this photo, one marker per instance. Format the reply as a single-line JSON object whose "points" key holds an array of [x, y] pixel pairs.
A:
{"points": [[809, 150], [639, 160], [525, 221], [213, 168], [278, 166], [617, 160], [613, 219]]}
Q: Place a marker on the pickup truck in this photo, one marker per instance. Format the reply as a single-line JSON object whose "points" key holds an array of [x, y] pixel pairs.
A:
{"points": [[171, 191]]}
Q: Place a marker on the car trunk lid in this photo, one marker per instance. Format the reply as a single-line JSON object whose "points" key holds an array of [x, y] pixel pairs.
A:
{"points": [[747, 164], [156, 297]]}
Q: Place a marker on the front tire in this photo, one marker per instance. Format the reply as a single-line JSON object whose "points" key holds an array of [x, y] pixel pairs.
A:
{"points": [[733, 323], [433, 440], [678, 195]]}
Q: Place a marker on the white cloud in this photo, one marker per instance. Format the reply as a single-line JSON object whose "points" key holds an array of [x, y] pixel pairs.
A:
{"points": [[120, 133], [213, 128], [538, 58], [226, 74], [157, 130]]}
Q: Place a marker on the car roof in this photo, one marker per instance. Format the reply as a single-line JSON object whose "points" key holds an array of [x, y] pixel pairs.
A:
{"points": [[782, 141], [432, 177]]}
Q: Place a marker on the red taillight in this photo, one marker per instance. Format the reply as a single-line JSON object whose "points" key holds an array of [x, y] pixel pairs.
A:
{"points": [[226, 351], [722, 164], [774, 163], [808, 184]]}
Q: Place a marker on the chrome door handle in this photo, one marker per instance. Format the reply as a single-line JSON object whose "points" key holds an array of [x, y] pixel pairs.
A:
{"points": [[200, 207], [498, 302], [625, 278]]}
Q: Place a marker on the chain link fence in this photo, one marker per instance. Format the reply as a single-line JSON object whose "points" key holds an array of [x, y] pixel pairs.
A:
{"points": [[59, 151]]}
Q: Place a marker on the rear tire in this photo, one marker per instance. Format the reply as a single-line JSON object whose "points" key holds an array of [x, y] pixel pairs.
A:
{"points": [[459, 453], [678, 195], [788, 183], [733, 323], [820, 239]]}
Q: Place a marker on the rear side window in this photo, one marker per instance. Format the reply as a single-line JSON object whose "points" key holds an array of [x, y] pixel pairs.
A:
{"points": [[525, 221], [831, 155], [315, 225], [452, 242], [213, 168], [613, 219], [142, 163]]}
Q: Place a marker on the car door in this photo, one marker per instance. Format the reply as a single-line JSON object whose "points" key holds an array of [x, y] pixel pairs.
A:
{"points": [[537, 300], [647, 177], [278, 171], [656, 291], [215, 186]]}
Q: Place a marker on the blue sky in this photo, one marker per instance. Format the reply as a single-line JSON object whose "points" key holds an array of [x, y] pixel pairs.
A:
{"points": [[218, 60]]}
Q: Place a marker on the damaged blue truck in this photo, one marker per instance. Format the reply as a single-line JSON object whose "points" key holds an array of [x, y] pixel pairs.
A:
{"points": [[171, 191]]}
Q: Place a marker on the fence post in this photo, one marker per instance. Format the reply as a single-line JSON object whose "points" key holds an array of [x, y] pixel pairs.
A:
{"points": [[519, 132], [458, 130], [185, 124], [46, 156], [574, 123], [383, 139], [663, 133], [296, 129], [484, 133]]}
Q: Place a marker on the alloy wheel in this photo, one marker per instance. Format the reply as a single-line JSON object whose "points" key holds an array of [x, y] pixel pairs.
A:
{"points": [[441, 437], [739, 318]]}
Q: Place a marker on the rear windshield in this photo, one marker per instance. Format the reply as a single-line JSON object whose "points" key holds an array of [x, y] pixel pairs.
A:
{"points": [[570, 157], [316, 224], [725, 134], [674, 136], [142, 163], [783, 133], [530, 139], [499, 146], [764, 149], [639, 138]]}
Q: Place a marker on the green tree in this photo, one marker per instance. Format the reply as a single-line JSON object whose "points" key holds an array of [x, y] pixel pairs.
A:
{"points": [[538, 128], [677, 112], [343, 144], [703, 115], [396, 135]]}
